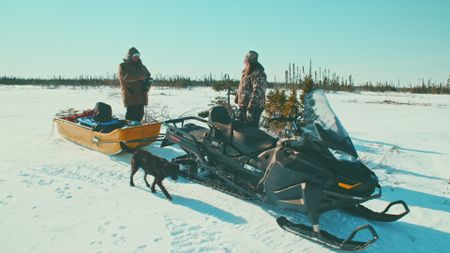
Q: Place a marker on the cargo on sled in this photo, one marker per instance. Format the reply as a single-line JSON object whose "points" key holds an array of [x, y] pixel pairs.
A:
{"points": [[93, 130]]}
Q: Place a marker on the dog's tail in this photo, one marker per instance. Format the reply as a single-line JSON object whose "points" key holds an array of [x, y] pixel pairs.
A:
{"points": [[127, 148]]}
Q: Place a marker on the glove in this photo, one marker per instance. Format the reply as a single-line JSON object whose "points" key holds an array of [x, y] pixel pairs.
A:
{"points": [[242, 113], [147, 83], [249, 115]]}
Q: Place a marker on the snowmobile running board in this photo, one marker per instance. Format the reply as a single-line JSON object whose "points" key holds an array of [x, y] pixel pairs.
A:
{"points": [[365, 212], [235, 192], [328, 239]]}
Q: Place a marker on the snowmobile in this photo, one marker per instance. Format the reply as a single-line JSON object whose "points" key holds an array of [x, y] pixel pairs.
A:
{"points": [[315, 173]]}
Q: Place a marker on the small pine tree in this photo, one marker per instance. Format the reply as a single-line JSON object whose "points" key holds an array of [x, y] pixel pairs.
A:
{"points": [[307, 87], [272, 103], [275, 105], [292, 107]]}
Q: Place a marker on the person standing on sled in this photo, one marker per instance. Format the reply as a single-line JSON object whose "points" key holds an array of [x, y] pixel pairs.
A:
{"points": [[135, 83], [251, 95]]}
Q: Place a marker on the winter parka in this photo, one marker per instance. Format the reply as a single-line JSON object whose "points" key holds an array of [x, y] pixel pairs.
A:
{"points": [[133, 92]]}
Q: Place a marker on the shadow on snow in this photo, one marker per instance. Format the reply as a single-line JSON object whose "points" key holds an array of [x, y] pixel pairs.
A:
{"points": [[199, 206], [364, 148]]}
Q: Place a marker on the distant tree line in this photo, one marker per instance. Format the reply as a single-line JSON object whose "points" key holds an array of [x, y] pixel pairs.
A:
{"points": [[176, 81], [59, 81], [295, 78]]}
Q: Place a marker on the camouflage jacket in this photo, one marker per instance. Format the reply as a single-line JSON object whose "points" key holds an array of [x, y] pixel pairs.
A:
{"points": [[252, 90]]}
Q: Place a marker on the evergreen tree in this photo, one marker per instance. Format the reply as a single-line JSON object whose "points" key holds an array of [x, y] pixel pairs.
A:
{"points": [[275, 105], [307, 87], [292, 107]]}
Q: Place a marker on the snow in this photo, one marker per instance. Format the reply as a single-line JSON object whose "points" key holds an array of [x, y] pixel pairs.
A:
{"points": [[56, 196]]}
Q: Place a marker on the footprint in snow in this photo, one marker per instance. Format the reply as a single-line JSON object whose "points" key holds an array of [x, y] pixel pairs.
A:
{"points": [[96, 242], [102, 228], [140, 249], [121, 239]]}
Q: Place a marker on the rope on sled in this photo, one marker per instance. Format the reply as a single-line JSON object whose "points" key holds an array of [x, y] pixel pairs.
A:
{"points": [[53, 129]]}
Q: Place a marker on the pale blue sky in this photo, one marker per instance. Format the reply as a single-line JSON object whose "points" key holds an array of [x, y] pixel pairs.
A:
{"points": [[372, 40]]}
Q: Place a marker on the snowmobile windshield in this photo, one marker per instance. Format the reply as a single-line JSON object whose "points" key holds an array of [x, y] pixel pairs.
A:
{"points": [[323, 126]]}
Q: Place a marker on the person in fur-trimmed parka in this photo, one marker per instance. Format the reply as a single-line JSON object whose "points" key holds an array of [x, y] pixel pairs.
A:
{"points": [[134, 78]]}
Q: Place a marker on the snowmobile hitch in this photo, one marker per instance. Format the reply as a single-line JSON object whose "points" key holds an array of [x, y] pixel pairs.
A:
{"points": [[98, 141], [327, 239], [383, 216]]}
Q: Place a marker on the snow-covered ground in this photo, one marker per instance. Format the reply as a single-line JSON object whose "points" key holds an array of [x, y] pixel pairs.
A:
{"points": [[56, 196]]}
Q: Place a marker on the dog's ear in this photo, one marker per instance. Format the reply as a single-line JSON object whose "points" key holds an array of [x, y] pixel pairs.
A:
{"points": [[175, 160]]}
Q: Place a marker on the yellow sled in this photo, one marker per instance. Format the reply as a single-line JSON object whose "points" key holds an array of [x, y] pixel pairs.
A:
{"points": [[108, 143]]}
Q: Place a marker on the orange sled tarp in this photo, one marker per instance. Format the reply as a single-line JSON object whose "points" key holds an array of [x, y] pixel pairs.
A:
{"points": [[108, 143]]}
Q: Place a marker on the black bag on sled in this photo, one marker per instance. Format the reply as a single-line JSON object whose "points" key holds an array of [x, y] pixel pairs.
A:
{"points": [[102, 112]]}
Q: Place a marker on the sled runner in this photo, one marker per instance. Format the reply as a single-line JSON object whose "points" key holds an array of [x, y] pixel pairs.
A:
{"points": [[316, 172], [105, 137]]}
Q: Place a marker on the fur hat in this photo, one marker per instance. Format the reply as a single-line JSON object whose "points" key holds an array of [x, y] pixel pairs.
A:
{"points": [[132, 51], [251, 56]]}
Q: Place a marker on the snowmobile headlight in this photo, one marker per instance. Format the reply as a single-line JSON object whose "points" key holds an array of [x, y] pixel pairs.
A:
{"points": [[342, 156]]}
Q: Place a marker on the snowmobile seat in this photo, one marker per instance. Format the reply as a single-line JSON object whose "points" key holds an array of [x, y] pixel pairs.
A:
{"points": [[247, 139], [250, 140], [219, 117]]}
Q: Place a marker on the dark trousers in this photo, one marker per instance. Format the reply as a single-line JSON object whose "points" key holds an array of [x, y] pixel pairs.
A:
{"points": [[254, 120], [135, 112], [256, 116]]}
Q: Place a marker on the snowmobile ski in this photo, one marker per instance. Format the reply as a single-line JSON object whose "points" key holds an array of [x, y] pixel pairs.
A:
{"points": [[383, 216], [328, 239]]}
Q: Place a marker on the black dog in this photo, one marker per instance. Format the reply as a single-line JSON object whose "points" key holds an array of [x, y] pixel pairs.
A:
{"points": [[158, 167]]}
